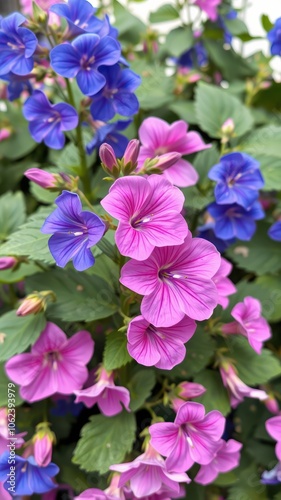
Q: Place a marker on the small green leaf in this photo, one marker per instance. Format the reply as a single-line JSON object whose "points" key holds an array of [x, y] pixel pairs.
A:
{"points": [[156, 89], [266, 23], [130, 27], [216, 396], [165, 12], [179, 40], [140, 387], [115, 353], [19, 332], [12, 213], [185, 110], [105, 441]]}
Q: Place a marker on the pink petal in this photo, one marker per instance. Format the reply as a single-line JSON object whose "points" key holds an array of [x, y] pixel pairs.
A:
{"points": [[180, 459], [203, 449], [203, 258], [43, 386], [109, 402], [162, 308], [90, 395], [51, 339], [164, 437], [165, 196], [23, 368], [79, 348], [273, 427], [141, 277], [126, 197], [153, 132], [146, 481], [253, 307], [194, 143], [213, 425], [132, 242], [182, 174], [190, 412], [207, 474]]}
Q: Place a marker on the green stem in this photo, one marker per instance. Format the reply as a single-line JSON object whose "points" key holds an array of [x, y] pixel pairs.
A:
{"points": [[84, 173]]}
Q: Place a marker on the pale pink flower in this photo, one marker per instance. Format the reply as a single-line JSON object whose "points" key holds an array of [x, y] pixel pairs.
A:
{"points": [[210, 7], [236, 388], [148, 473], [105, 394], [273, 427], [160, 347], [224, 285], [55, 364], [159, 137], [149, 213], [175, 281], [249, 323], [226, 458], [5, 437], [41, 177], [193, 437]]}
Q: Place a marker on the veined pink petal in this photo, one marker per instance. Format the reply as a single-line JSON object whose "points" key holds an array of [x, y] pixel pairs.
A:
{"points": [[181, 173], [109, 402], [190, 412], [126, 197], [180, 459], [162, 308], [146, 481], [273, 427], [133, 243], [213, 424], [51, 339], [164, 437], [23, 368], [202, 449], [207, 474], [79, 348], [153, 132], [89, 395], [141, 277]]}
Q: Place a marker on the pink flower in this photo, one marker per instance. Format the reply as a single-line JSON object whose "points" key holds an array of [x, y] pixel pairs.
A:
{"points": [[159, 137], [226, 458], [273, 427], [148, 473], [160, 347], [149, 213], [175, 281], [26, 5], [224, 285], [110, 493], [210, 7], [105, 394], [236, 388], [5, 133], [7, 263], [55, 364], [249, 323], [5, 437], [4, 494], [193, 437]]}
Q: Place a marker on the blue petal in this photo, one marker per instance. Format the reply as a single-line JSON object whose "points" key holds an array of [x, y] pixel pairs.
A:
{"points": [[90, 82], [69, 116], [126, 104], [86, 45], [257, 211], [275, 231], [70, 205], [10, 23], [95, 226], [22, 66], [30, 41], [37, 107], [65, 60], [64, 247], [245, 228], [225, 228], [128, 80], [55, 138], [84, 259], [119, 143], [108, 52], [102, 109]]}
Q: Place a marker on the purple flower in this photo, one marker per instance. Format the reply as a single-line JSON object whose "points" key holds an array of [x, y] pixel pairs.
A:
{"points": [[75, 232], [16, 85], [49, 121], [274, 36], [275, 231], [194, 57], [272, 476], [224, 285], [160, 347], [109, 133], [17, 46], [149, 213], [117, 95], [105, 394], [273, 427], [83, 57], [193, 437], [7, 262], [206, 231], [238, 180], [233, 221], [79, 15], [226, 459], [29, 477]]}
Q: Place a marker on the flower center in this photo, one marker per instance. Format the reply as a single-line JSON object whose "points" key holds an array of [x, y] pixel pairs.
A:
{"points": [[168, 276], [162, 150], [109, 93], [51, 359], [137, 222], [86, 62]]}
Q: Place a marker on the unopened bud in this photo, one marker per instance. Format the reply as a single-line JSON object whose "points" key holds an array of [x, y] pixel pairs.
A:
{"points": [[43, 442], [130, 158], [5, 134], [272, 405], [7, 262], [109, 161], [189, 390], [35, 303], [160, 163], [39, 15], [41, 177], [227, 130]]}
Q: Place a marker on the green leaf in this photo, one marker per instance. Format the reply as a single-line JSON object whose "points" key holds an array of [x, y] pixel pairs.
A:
{"points": [[231, 65], [214, 106], [165, 12], [20, 143], [105, 441], [156, 87], [195, 199], [263, 141], [140, 387], [29, 241], [185, 110], [19, 332], [253, 368], [248, 486], [115, 353], [80, 297], [266, 23], [130, 27], [12, 213], [225, 479], [18, 274], [236, 26], [204, 161], [4, 381], [42, 195], [271, 170], [261, 255], [179, 40], [216, 396]]}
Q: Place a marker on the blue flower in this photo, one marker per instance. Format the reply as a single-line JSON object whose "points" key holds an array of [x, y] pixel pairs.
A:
{"points": [[16, 85], [17, 46], [117, 94], [83, 57], [109, 133], [206, 231], [238, 179], [75, 232], [272, 476], [233, 221], [194, 57], [29, 477], [47, 121], [274, 36], [275, 231], [80, 17]]}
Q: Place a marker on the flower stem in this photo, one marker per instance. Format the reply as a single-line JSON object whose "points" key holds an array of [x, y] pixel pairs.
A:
{"points": [[84, 172]]}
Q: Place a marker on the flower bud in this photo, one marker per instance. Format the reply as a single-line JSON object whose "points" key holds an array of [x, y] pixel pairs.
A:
{"points": [[41, 177], [272, 405], [130, 158], [43, 444], [5, 134], [189, 390], [7, 262], [35, 303], [109, 161], [160, 163], [227, 130]]}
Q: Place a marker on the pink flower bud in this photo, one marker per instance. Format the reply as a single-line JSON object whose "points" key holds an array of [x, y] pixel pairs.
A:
{"points": [[132, 152], [43, 450], [7, 262], [5, 134], [35, 303], [166, 160], [189, 390], [41, 177], [108, 157], [272, 405], [228, 127]]}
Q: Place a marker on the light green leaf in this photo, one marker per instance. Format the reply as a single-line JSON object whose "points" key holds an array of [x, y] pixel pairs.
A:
{"points": [[130, 27], [20, 143], [236, 26], [105, 441], [271, 171], [216, 396], [42, 195], [156, 87], [19, 332], [12, 213], [18, 274], [231, 64], [266, 23], [179, 40], [214, 106], [263, 141], [115, 353], [204, 161], [185, 110], [165, 12], [140, 387]]}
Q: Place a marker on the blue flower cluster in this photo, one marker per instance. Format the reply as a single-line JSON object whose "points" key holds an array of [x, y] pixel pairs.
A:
{"points": [[274, 36], [238, 180], [90, 53], [193, 58]]}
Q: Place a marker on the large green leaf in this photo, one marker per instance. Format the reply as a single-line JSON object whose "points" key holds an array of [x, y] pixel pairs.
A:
{"points": [[105, 441], [231, 64], [130, 27], [29, 241], [17, 332], [80, 297], [216, 396], [185, 110], [156, 87], [264, 140], [140, 386], [12, 213], [179, 40], [20, 143], [215, 105], [248, 486], [164, 13], [115, 353]]}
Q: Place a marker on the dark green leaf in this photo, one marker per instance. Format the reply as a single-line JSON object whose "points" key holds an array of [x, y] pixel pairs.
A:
{"points": [[156, 87], [204, 161], [232, 65], [115, 353], [266, 23], [185, 110], [140, 387], [216, 396], [4, 381], [20, 143]]}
